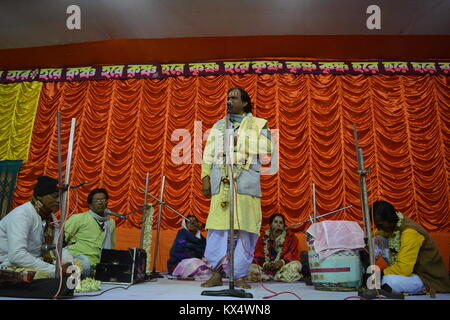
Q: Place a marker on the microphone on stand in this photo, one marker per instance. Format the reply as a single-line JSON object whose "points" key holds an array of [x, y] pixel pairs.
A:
{"points": [[47, 247], [66, 187], [110, 213], [81, 184]]}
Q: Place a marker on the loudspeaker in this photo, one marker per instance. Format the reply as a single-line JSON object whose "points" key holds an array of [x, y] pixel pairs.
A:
{"points": [[122, 266]]}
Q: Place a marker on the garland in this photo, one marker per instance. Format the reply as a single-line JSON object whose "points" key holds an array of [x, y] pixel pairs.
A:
{"points": [[89, 285], [147, 238], [239, 163], [279, 248], [394, 241]]}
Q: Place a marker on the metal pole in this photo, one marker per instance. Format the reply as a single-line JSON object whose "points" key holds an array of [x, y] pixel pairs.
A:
{"points": [[321, 216], [159, 224], [314, 201], [167, 206], [230, 150], [355, 132], [62, 194], [365, 204], [364, 198], [61, 191]]}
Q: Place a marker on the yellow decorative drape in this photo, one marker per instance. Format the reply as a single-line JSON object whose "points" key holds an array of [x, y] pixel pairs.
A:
{"points": [[18, 105]]}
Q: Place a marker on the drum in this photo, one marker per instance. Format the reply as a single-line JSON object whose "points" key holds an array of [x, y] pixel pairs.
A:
{"points": [[340, 271]]}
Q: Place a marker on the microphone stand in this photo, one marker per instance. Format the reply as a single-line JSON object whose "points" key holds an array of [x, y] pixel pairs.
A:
{"points": [[155, 274], [161, 205], [314, 201], [362, 171], [123, 216], [229, 148], [168, 207], [317, 217]]}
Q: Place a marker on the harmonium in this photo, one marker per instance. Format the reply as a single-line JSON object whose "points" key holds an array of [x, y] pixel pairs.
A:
{"points": [[122, 266]]}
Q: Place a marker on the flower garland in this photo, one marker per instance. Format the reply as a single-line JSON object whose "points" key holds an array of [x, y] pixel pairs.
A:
{"points": [[147, 238], [394, 241], [89, 285], [280, 240]]}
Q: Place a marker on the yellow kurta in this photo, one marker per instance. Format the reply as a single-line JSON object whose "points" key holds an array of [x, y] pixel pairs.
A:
{"points": [[411, 241], [418, 255], [85, 237], [247, 208], [247, 213]]}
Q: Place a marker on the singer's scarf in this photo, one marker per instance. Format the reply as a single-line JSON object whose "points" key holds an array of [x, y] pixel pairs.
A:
{"points": [[249, 130], [106, 227], [242, 122]]}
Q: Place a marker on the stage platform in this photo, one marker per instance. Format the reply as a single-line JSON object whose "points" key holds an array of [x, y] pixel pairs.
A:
{"points": [[170, 289]]}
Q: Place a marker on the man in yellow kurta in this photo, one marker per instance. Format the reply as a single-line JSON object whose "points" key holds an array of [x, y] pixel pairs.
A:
{"points": [[250, 138], [89, 232], [415, 265]]}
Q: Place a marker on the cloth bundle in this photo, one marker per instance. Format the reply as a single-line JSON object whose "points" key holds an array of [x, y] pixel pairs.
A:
{"points": [[194, 267], [332, 236]]}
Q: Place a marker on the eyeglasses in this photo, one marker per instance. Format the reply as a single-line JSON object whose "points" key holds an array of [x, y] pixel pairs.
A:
{"points": [[100, 201]]}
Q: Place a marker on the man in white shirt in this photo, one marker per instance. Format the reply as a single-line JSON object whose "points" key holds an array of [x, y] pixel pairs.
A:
{"points": [[22, 230]]}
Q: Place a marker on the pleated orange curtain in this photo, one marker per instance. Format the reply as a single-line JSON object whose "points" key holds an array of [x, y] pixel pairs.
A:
{"points": [[125, 129]]}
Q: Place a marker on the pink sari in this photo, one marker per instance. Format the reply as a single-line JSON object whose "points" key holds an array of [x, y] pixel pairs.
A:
{"points": [[193, 267]]}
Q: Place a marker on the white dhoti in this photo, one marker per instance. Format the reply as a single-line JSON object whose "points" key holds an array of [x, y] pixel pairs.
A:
{"points": [[401, 284], [217, 247]]}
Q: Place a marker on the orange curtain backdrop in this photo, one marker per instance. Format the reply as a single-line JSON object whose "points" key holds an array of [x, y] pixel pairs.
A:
{"points": [[124, 129]]}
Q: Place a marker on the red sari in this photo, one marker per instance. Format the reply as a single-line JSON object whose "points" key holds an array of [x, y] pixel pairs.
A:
{"points": [[289, 253]]}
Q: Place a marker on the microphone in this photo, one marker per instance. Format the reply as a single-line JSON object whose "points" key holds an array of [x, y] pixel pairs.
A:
{"points": [[110, 213], [81, 184], [47, 247], [229, 106], [66, 187]]}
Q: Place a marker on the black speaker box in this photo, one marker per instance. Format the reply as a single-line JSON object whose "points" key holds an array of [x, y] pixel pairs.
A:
{"points": [[122, 266]]}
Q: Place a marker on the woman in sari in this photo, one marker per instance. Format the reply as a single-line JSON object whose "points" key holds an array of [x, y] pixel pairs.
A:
{"points": [[187, 249], [276, 254]]}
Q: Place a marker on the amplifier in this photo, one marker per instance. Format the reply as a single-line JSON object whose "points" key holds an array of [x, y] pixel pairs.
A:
{"points": [[122, 266]]}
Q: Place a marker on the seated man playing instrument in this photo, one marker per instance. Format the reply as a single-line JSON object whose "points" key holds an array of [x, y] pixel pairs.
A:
{"points": [[24, 230], [415, 265], [89, 232]]}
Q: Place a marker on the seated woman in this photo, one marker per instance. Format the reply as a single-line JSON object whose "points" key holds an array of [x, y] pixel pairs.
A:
{"points": [[187, 250], [276, 254]]}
